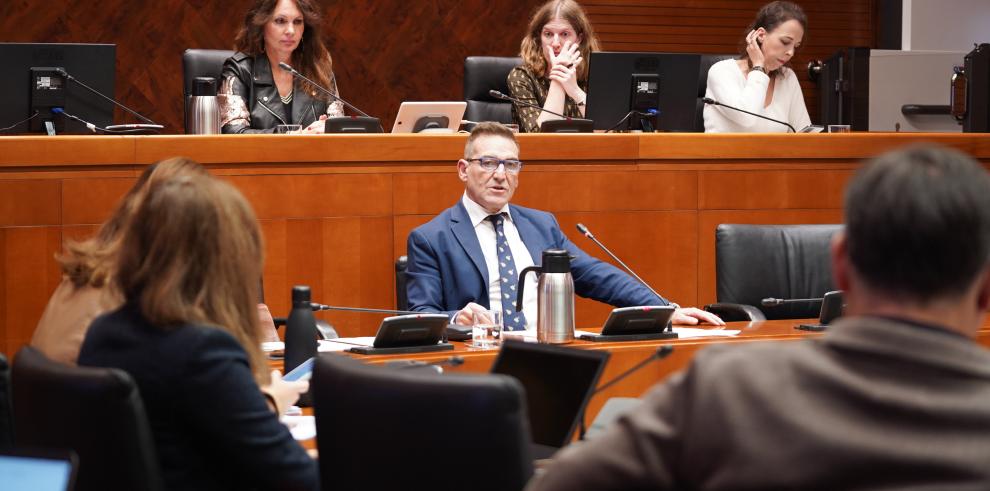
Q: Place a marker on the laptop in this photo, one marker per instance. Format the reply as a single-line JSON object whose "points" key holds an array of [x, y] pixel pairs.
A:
{"points": [[435, 117], [559, 382], [38, 470]]}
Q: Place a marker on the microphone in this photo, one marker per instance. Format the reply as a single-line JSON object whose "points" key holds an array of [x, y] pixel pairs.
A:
{"points": [[777, 302], [134, 129], [587, 233], [709, 100], [318, 307], [286, 67], [453, 361], [154, 125], [660, 353], [498, 95]]}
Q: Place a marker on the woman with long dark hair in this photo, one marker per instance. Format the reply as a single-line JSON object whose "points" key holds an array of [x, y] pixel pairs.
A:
{"points": [[256, 95], [759, 81]]}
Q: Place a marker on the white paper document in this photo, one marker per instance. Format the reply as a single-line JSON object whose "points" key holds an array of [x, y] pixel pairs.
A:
{"points": [[326, 345], [301, 427], [682, 333]]}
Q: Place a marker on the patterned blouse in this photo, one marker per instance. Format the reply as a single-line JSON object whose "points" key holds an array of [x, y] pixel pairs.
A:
{"points": [[525, 86]]}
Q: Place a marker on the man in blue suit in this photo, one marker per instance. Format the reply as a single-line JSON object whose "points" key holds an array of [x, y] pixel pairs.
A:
{"points": [[467, 258]]}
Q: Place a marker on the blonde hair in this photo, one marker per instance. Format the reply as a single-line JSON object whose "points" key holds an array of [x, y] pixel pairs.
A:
{"points": [[89, 262], [192, 254], [531, 49]]}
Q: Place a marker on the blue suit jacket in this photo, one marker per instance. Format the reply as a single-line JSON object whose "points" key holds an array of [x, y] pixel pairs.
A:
{"points": [[446, 267]]}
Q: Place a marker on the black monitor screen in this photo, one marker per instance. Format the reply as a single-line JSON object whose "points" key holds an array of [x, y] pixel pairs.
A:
{"points": [[610, 82], [28, 79], [558, 382]]}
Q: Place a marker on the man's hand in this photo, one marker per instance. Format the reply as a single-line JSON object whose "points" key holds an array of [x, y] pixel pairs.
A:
{"points": [[691, 317], [466, 316]]}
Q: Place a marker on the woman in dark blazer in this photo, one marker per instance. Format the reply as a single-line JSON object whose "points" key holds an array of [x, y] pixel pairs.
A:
{"points": [[256, 95], [188, 267]]}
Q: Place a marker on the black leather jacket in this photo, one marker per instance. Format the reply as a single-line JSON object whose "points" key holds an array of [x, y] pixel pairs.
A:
{"points": [[250, 103]]}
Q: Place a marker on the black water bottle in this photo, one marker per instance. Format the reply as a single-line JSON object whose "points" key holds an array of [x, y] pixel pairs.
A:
{"points": [[300, 330]]}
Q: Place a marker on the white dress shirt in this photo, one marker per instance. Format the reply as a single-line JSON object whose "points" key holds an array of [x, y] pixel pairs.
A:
{"points": [[727, 85], [485, 230]]}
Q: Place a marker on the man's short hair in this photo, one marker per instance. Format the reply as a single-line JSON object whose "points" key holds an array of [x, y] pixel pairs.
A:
{"points": [[488, 128], [918, 223]]}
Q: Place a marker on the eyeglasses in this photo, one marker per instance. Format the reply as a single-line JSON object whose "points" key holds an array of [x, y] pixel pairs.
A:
{"points": [[490, 164]]}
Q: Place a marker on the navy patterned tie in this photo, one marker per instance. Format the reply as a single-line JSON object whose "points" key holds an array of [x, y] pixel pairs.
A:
{"points": [[512, 320]]}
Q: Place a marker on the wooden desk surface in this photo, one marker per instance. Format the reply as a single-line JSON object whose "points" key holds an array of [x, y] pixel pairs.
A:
{"points": [[625, 355], [335, 210]]}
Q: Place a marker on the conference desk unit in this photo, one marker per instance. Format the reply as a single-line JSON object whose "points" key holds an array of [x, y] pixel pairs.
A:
{"points": [[336, 209]]}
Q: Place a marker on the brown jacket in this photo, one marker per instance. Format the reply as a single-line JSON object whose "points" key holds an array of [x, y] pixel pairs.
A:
{"points": [[876, 403], [67, 316]]}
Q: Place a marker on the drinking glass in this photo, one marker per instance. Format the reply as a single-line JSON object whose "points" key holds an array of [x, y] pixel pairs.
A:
{"points": [[287, 129], [839, 128], [486, 330]]}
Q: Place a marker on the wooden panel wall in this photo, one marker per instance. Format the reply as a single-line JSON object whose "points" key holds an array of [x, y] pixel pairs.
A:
{"points": [[336, 210], [387, 51]]}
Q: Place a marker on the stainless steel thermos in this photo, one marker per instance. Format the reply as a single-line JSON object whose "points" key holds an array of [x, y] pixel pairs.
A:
{"points": [[554, 297], [202, 109]]}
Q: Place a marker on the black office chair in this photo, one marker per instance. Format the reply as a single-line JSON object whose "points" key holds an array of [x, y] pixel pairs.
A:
{"points": [[97, 412], [706, 64], [388, 428], [6, 421], [482, 74], [401, 298], [201, 63], [753, 262]]}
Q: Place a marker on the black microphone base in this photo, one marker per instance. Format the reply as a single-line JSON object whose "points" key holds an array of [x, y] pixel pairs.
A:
{"points": [[811, 327], [628, 337], [355, 124], [573, 125], [397, 350]]}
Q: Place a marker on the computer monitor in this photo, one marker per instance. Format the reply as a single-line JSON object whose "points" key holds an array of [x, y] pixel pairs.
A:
{"points": [[617, 80], [30, 84], [558, 381], [972, 106], [38, 469]]}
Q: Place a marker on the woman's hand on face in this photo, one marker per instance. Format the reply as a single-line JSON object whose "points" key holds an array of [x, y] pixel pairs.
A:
{"points": [[563, 69], [316, 126], [753, 48]]}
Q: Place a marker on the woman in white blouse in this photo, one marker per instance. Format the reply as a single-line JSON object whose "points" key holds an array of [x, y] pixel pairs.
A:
{"points": [[759, 81]]}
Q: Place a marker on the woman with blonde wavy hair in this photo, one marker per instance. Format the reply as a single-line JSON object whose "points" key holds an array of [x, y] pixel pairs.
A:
{"points": [[554, 73], [188, 267]]}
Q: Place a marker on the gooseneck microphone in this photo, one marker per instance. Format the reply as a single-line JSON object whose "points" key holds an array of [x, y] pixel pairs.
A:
{"points": [[587, 233], [288, 68], [709, 100], [777, 302], [660, 353], [152, 125], [498, 95], [319, 306]]}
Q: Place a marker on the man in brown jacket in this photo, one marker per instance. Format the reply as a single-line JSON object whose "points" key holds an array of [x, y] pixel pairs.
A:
{"points": [[896, 395]]}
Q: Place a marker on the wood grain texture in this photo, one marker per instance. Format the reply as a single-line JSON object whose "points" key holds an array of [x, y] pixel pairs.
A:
{"points": [[390, 51], [92, 201], [28, 277], [337, 221], [29, 202]]}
